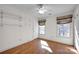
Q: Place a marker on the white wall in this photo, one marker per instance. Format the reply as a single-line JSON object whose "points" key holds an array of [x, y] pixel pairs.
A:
{"points": [[11, 36], [51, 30], [76, 27], [35, 27]]}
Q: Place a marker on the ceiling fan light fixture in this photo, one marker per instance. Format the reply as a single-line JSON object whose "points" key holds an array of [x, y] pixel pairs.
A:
{"points": [[41, 9]]}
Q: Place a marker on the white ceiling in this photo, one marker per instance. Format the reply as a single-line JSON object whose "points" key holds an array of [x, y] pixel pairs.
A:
{"points": [[52, 8]]}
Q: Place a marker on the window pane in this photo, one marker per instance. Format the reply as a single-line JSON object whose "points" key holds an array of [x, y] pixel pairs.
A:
{"points": [[42, 29], [64, 30], [67, 30]]}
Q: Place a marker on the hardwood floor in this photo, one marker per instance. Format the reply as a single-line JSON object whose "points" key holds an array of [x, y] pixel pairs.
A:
{"points": [[42, 46]]}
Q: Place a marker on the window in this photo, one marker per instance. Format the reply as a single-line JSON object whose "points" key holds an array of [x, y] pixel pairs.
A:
{"points": [[64, 25], [42, 29], [64, 30]]}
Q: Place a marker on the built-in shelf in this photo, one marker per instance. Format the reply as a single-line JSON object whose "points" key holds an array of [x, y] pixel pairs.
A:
{"points": [[6, 16]]}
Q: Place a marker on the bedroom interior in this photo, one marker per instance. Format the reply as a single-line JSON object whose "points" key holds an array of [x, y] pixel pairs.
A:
{"points": [[39, 29]]}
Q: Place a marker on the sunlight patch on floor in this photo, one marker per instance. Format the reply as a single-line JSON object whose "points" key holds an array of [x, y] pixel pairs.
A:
{"points": [[73, 50], [45, 46]]}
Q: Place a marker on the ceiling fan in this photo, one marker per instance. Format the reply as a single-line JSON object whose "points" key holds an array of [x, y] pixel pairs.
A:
{"points": [[41, 9]]}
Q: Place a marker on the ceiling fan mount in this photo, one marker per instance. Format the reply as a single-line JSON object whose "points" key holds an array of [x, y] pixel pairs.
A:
{"points": [[40, 5]]}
